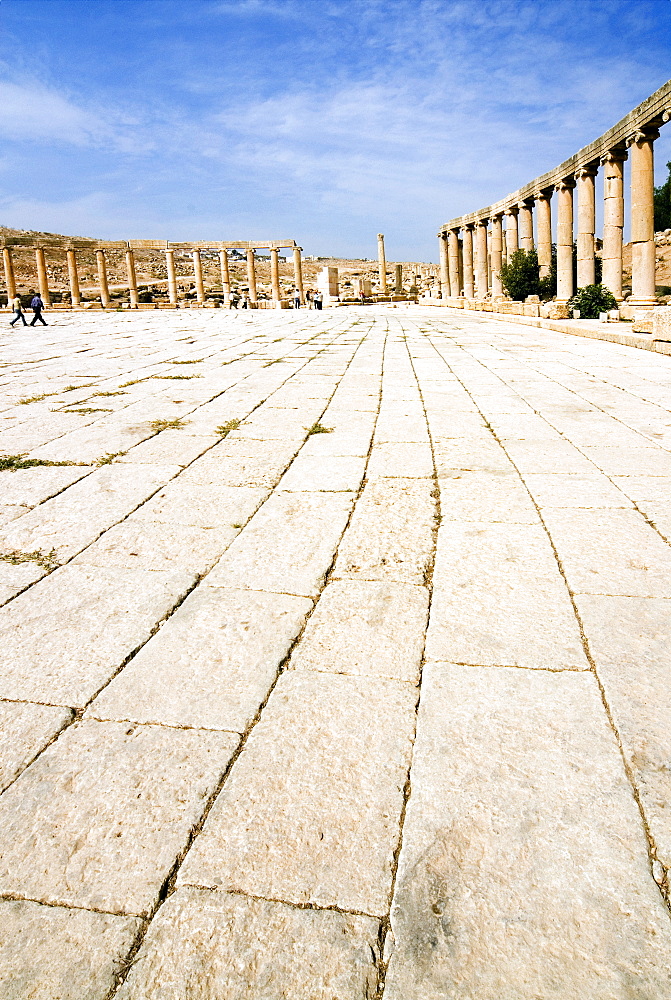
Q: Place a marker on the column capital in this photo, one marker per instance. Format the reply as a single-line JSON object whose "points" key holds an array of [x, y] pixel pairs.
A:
{"points": [[648, 133], [589, 170], [666, 115], [567, 184], [616, 155], [544, 194], [525, 203], [512, 210], [482, 222]]}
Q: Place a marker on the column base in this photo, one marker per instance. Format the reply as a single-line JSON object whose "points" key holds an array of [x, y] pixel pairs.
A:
{"points": [[648, 303]]}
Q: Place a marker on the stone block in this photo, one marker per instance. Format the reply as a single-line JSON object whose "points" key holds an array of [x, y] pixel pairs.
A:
{"points": [[485, 496], [158, 545], [209, 505], [341, 473], [310, 811], [25, 730], [366, 628], [524, 869], [252, 948], [80, 624], [53, 953], [212, 663], [557, 489], [102, 815]]}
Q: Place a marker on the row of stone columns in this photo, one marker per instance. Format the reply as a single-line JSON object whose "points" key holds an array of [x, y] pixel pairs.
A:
{"points": [[105, 298], [471, 267]]}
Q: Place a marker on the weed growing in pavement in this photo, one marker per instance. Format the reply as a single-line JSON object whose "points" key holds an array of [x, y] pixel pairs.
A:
{"points": [[237, 525], [135, 381], [82, 409], [71, 388], [163, 425], [277, 361], [224, 429], [173, 377], [36, 399], [14, 462], [47, 560], [108, 458], [117, 393], [193, 361], [318, 429]]}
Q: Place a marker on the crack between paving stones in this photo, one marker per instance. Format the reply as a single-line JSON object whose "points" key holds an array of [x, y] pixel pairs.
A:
{"points": [[168, 885], [653, 860]]}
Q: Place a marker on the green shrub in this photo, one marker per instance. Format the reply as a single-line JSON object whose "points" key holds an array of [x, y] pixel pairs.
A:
{"points": [[663, 204], [520, 277], [592, 300]]}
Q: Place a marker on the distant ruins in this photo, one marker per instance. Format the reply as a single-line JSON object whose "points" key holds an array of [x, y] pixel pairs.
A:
{"points": [[474, 246]]}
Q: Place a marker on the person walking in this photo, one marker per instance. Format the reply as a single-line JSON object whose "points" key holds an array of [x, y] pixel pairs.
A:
{"points": [[308, 298], [37, 305], [18, 311], [245, 301], [297, 299], [318, 300]]}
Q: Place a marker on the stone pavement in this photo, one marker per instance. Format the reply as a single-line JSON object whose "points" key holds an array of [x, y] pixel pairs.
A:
{"points": [[381, 711]]}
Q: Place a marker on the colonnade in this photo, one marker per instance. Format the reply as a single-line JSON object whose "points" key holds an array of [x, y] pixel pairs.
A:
{"points": [[474, 246], [100, 247]]}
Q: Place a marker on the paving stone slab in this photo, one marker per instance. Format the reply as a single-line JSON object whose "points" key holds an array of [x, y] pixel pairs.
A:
{"points": [[499, 598], [340, 473], [618, 460], [243, 462], [548, 456], [15, 578], [80, 623], [158, 545], [480, 453], [524, 869], [400, 459], [53, 953], [77, 516], [244, 947], [630, 641], [645, 488], [288, 546], [32, 486], [390, 536], [610, 552], [211, 665], [170, 447], [205, 504], [310, 811], [557, 489], [485, 496], [372, 628], [25, 729], [100, 818]]}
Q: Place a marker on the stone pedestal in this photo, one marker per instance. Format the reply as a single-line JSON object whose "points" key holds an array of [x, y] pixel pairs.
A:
{"points": [[481, 285], [10, 280], [497, 255], [42, 281], [468, 262], [298, 273], [251, 276], [613, 220], [225, 276], [512, 239], [642, 218], [453, 262], [564, 191], [73, 277], [444, 265], [586, 224], [382, 263], [275, 274], [525, 225], [102, 279], [544, 232], [132, 278], [327, 283], [198, 276], [172, 276]]}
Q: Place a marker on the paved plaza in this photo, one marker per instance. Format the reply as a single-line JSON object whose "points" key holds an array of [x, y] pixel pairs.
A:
{"points": [[335, 659]]}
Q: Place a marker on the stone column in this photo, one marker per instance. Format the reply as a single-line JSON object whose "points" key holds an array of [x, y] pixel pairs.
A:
{"points": [[132, 278], [10, 280], [453, 262], [613, 220], [251, 276], [398, 279], [275, 273], [172, 276], [497, 255], [564, 191], [544, 232], [512, 240], [382, 263], [445, 280], [73, 277], [102, 278], [42, 281], [586, 224], [468, 261], [481, 285], [198, 276], [643, 218], [225, 276], [298, 273], [525, 225]]}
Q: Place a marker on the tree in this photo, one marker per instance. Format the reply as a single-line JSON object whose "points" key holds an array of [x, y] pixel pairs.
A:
{"points": [[663, 203], [520, 277]]}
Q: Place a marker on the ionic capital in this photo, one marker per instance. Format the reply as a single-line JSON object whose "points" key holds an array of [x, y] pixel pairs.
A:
{"points": [[646, 134], [512, 211], [567, 184], [589, 170], [666, 115], [617, 155], [545, 194]]}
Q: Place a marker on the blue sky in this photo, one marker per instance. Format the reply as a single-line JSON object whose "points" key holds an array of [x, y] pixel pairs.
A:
{"points": [[326, 121]]}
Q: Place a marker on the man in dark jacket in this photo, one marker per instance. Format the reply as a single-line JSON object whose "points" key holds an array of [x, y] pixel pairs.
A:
{"points": [[37, 305]]}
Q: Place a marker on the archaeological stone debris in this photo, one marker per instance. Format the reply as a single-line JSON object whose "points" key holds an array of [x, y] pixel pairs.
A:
{"points": [[335, 655]]}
